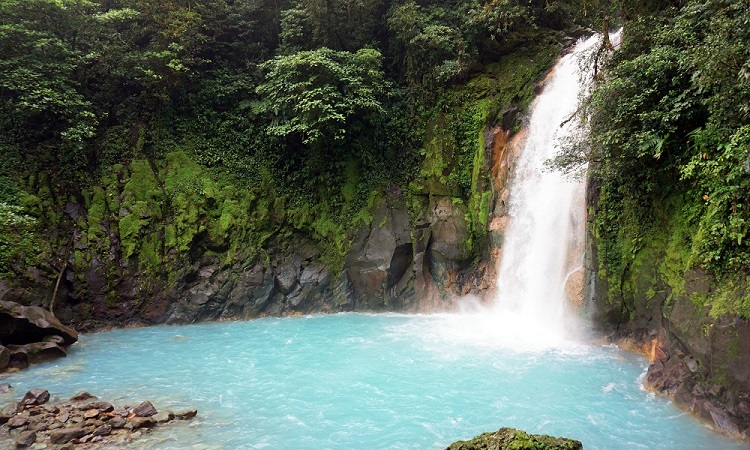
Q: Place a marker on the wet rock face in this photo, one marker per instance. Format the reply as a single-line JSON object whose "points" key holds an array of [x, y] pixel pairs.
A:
{"points": [[701, 362], [393, 264], [510, 439]]}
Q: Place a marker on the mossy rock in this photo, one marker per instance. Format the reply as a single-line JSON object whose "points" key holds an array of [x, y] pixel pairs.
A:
{"points": [[512, 439]]}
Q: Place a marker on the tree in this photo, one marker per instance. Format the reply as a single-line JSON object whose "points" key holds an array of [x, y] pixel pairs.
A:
{"points": [[41, 102], [317, 94]]}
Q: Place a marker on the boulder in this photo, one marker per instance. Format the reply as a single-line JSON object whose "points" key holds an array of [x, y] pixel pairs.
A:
{"points": [[163, 416], [37, 352], [24, 324], [141, 422], [35, 397], [18, 360], [509, 438], [145, 409]]}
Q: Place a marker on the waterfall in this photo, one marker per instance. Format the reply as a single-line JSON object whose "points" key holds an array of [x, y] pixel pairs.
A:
{"points": [[544, 241]]}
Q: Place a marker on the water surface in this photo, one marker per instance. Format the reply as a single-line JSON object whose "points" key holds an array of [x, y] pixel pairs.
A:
{"points": [[369, 381]]}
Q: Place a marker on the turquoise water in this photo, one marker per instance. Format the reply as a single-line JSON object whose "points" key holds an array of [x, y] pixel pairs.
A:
{"points": [[353, 381]]}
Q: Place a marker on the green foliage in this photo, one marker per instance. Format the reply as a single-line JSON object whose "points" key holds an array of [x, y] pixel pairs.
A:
{"points": [[669, 144], [233, 128], [19, 242], [317, 94]]}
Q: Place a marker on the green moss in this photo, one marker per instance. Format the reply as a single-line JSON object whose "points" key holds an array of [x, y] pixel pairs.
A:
{"points": [[96, 215], [129, 228], [149, 256], [512, 439]]}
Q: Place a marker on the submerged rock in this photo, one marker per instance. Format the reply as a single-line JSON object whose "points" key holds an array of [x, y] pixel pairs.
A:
{"points": [[512, 439], [185, 415], [82, 396]]}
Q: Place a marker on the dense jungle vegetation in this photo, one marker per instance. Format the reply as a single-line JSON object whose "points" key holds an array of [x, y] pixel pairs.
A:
{"points": [[670, 144], [234, 125], [238, 124]]}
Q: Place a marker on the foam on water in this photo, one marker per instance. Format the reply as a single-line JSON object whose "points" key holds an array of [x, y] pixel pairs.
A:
{"points": [[367, 381]]}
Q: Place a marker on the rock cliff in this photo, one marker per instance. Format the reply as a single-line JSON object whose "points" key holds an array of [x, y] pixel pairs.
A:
{"points": [[700, 357]]}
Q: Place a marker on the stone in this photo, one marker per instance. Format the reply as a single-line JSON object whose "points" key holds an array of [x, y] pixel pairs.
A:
{"points": [[82, 396], [38, 426], [93, 423], [38, 352], [5, 387], [24, 324], [18, 360], [8, 411], [187, 414], [145, 409], [117, 422], [35, 397], [101, 406], [17, 422], [91, 413], [26, 439], [65, 435], [4, 361], [163, 416], [103, 430], [722, 420], [141, 422], [509, 438]]}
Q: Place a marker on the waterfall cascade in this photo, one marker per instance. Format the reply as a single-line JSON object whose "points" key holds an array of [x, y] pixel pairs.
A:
{"points": [[544, 241]]}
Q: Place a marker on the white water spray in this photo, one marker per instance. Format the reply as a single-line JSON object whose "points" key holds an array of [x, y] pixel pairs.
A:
{"points": [[544, 241]]}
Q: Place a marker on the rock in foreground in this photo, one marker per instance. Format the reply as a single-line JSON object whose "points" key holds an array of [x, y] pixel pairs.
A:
{"points": [[39, 423], [512, 439]]}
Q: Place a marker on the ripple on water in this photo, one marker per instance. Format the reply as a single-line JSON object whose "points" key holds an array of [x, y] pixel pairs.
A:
{"points": [[368, 381]]}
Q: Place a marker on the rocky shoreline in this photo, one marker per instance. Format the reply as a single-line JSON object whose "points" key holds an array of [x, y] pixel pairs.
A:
{"points": [[82, 422], [677, 375]]}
